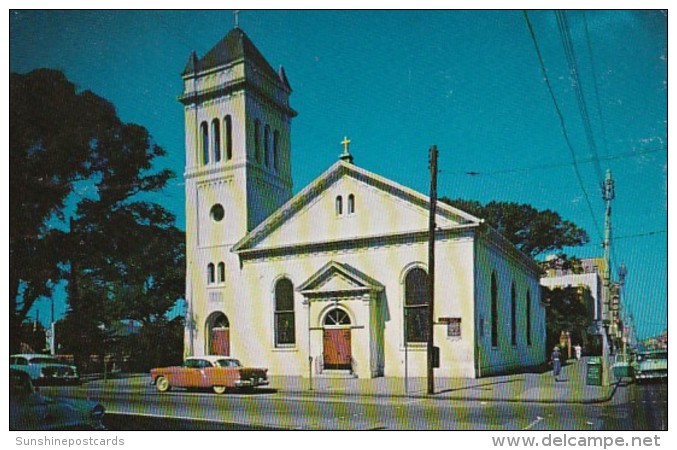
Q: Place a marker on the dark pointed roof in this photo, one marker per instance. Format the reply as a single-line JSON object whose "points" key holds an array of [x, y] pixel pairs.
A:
{"points": [[236, 45]]}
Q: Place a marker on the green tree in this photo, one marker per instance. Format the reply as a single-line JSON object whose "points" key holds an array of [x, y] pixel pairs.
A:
{"points": [[122, 254], [532, 231], [569, 310]]}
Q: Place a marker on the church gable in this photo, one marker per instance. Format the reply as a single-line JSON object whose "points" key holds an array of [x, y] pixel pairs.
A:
{"points": [[348, 203], [337, 278]]}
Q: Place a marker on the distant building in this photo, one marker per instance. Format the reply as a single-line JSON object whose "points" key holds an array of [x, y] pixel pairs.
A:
{"points": [[589, 275], [332, 280]]}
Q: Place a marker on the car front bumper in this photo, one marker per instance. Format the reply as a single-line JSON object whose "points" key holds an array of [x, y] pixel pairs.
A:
{"points": [[251, 383]]}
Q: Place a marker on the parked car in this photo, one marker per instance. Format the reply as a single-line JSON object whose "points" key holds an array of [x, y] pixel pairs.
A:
{"points": [[212, 371], [30, 410], [44, 369], [651, 365]]}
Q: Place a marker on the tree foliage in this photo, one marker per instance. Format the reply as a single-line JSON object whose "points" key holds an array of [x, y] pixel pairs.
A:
{"points": [[532, 231], [570, 310], [122, 254]]}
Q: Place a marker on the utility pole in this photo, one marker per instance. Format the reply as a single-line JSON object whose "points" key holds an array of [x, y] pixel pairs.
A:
{"points": [[431, 266], [608, 195]]}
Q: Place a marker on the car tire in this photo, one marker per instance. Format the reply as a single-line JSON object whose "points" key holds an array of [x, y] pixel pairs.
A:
{"points": [[162, 384], [219, 389]]}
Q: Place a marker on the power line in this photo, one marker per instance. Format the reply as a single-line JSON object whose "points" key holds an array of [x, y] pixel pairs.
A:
{"points": [[556, 165], [567, 43], [561, 122]]}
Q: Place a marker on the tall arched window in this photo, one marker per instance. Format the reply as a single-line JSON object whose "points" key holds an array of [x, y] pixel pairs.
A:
{"points": [[284, 313], [266, 145], [216, 140], [351, 204], [416, 310], [513, 315], [204, 142], [210, 273], [494, 311], [276, 150], [257, 140], [228, 130], [528, 313], [339, 205], [221, 269]]}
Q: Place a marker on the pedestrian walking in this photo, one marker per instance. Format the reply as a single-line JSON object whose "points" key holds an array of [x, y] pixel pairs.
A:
{"points": [[556, 360], [578, 351]]}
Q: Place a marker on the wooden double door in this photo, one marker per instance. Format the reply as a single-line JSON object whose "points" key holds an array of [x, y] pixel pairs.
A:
{"points": [[337, 353]]}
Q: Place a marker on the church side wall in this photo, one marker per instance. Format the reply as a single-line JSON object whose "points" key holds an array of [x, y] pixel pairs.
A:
{"points": [[508, 269]]}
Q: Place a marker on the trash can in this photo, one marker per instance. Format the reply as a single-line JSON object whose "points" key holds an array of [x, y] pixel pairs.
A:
{"points": [[594, 372]]}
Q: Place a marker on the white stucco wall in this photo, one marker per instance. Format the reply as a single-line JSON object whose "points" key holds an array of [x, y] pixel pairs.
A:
{"points": [[248, 301], [509, 268]]}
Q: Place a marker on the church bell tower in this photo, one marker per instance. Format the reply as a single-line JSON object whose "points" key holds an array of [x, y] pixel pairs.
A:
{"points": [[238, 164], [237, 122]]}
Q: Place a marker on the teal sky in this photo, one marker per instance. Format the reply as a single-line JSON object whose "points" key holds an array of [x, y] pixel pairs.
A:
{"points": [[397, 82]]}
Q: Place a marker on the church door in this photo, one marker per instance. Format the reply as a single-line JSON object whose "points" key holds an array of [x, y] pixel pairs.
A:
{"points": [[220, 342], [337, 348]]}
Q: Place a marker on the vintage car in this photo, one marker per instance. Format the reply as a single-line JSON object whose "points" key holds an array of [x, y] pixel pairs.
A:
{"points": [[212, 371], [44, 369], [651, 365], [30, 410]]}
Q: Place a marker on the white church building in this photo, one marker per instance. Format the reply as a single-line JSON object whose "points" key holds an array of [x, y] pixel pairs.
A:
{"points": [[333, 279]]}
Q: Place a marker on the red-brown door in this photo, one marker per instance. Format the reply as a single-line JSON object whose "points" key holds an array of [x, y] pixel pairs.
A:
{"points": [[220, 342], [337, 348]]}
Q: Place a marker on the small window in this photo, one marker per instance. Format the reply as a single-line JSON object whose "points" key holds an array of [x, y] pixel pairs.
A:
{"points": [[204, 128], [339, 205], [513, 315], [221, 269], [266, 145], [210, 273], [228, 130], [217, 212], [216, 140], [351, 204], [276, 150], [257, 140]]}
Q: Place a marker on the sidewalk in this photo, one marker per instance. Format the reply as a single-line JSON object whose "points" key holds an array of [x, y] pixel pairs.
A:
{"points": [[528, 387]]}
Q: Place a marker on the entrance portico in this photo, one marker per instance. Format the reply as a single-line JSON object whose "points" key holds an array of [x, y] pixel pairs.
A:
{"points": [[345, 333]]}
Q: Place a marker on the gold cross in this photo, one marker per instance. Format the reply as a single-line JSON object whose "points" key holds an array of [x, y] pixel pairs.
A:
{"points": [[346, 144]]}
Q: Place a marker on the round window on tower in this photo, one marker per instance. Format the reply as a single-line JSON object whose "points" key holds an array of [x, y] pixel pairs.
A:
{"points": [[217, 212]]}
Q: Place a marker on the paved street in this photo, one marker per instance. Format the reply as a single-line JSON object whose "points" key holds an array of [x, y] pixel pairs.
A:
{"points": [[632, 407]]}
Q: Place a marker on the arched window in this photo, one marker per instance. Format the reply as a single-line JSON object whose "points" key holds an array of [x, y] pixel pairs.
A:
{"points": [[339, 205], [266, 145], [513, 315], [528, 313], [276, 150], [210, 273], [416, 301], [216, 140], [284, 313], [257, 140], [351, 204], [222, 272], [228, 130], [204, 142], [494, 311], [336, 318]]}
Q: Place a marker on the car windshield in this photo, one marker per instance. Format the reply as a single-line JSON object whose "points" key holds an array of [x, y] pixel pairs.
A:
{"points": [[228, 363], [45, 360]]}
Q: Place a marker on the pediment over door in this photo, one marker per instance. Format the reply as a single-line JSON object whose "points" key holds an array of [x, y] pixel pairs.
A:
{"points": [[337, 281]]}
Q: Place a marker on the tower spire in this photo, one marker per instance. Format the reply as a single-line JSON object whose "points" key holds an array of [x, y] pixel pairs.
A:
{"points": [[236, 22]]}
